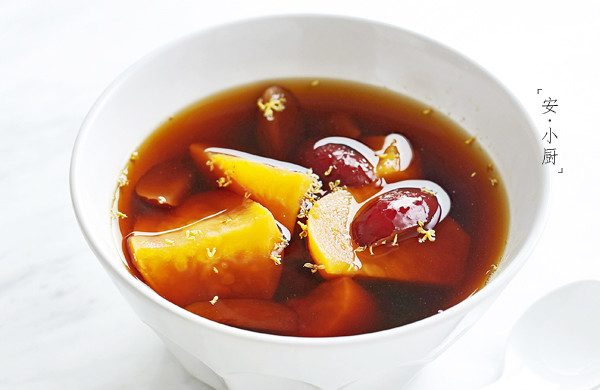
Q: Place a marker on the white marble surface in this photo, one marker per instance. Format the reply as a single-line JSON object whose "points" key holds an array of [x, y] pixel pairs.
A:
{"points": [[63, 324]]}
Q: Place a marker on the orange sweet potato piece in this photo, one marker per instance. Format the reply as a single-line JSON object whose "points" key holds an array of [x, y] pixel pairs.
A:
{"points": [[338, 307], [280, 187], [441, 262], [391, 150], [232, 255], [254, 314], [194, 208], [167, 183]]}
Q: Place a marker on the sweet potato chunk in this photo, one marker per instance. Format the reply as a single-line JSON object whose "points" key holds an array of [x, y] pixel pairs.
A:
{"points": [[398, 160], [253, 314], [441, 262], [232, 255], [194, 208], [167, 183], [280, 187], [338, 307]]}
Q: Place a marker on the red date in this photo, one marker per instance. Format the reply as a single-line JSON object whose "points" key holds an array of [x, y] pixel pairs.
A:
{"points": [[279, 127], [338, 161], [395, 216]]}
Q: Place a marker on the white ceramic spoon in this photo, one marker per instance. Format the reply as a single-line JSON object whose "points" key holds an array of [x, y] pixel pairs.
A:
{"points": [[556, 343]]}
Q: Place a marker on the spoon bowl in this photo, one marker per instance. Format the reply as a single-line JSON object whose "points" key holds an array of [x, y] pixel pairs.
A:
{"points": [[557, 340]]}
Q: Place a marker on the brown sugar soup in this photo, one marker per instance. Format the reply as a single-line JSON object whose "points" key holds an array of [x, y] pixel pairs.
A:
{"points": [[312, 208]]}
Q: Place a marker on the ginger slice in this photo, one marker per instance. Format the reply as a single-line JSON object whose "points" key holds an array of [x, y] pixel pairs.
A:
{"points": [[329, 240]]}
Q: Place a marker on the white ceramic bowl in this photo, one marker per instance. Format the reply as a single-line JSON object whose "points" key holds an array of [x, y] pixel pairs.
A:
{"points": [[304, 46]]}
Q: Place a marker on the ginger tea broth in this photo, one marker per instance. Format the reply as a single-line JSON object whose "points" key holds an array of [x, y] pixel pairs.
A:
{"points": [[312, 208]]}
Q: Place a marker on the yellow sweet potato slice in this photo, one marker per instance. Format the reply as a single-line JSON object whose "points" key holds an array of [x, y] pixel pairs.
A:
{"points": [[441, 262], [233, 254], [281, 187]]}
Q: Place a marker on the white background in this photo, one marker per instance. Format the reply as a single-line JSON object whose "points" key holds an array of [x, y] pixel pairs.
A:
{"points": [[63, 324]]}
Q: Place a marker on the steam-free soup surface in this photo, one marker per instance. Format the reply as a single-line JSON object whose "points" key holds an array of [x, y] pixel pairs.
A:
{"points": [[312, 208]]}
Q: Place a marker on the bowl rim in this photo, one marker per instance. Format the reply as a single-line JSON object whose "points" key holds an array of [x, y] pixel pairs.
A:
{"points": [[119, 271]]}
